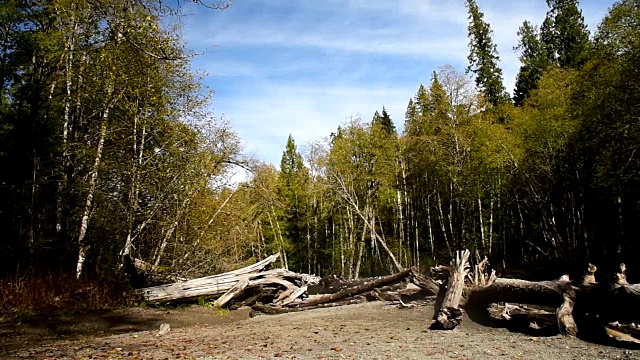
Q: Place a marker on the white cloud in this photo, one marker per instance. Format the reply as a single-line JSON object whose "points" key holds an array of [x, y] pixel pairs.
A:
{"points": [[347, 40], [275, 95]]}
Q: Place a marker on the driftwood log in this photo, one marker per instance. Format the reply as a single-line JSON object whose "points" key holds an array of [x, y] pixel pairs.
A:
{"points": [[283, 291], [447, 314], [356, 290], [205, 286], [386, 288], [332, 284], [577, 303], [293, 284]]}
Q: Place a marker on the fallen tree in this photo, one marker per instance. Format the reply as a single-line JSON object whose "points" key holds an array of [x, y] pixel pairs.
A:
{"points": [[356, 290], [293, 285], [385, 288], [447, 314], [582, 306], [577, 303], [205, 286], [283, 290]]}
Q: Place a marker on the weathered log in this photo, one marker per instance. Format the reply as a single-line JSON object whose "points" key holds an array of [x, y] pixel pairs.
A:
{"points": [[448, 314], [205, 286], [296, 293], [264, 278], [234, 291], [425, 283], [589, 276], [283, 295], [575, 302], [262, 295], [620, 276], [334, 284], [554, 294], [259, 308], [352, 291], [480, 275]]}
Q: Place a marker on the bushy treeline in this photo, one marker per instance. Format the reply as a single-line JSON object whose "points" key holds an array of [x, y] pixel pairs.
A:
{"points": [[106, 150], [546, 180]]}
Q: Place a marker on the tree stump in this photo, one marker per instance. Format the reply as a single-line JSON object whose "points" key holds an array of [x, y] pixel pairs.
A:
{"points": [[448, 314]]}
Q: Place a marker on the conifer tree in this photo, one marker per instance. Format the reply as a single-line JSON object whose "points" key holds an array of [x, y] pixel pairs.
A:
{"points": [[292, 183], [534, 60], [565, 34], [421, 101], [384, 120], [410, 116], [483, 57]]}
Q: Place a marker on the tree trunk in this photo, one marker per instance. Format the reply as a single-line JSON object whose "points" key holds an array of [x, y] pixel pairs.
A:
{"points": [[443, 225], [556, 294], [134, 190], [209, 285], [481, 221], [352, 291], [93, 179], [448, 314]]}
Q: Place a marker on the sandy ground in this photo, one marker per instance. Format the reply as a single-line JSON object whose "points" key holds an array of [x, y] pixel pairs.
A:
{"points": [[374, 330]]}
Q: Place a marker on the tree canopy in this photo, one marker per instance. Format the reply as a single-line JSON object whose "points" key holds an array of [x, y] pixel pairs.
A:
{"points": [[108, 151]]}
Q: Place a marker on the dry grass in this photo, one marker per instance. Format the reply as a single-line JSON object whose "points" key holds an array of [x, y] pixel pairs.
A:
{"points": [[51, 294]]}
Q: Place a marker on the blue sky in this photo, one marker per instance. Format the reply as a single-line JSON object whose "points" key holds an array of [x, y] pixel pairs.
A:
{"points": [[304, 66]]}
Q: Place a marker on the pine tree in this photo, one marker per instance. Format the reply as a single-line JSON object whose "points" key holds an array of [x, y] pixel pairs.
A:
{"points": [[292, 184], [421, 101], [440, 103], [483, 57], [376, 117], [384, 120], [409, 117], [534, 61], [565, 34]]}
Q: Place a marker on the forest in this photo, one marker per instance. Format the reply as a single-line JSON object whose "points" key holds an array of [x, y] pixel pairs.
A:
{"points": [[108, 151]]}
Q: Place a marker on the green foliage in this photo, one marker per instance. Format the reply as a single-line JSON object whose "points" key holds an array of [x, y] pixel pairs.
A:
{"points": [[554, 179], [565, 34], [534, 60], [384, 121], [109, 136], [483, 57], [292, 190]]}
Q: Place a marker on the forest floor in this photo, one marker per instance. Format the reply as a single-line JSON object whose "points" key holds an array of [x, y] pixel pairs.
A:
{"points": [[375, 330]]}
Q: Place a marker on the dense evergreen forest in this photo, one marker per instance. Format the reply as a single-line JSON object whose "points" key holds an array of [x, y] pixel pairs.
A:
{"points": [[107, 150]]}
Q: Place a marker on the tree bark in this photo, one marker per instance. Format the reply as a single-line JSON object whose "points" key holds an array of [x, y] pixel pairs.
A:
{"points": [[84, 224], [352, 291], [449, 315], [209, 285]]}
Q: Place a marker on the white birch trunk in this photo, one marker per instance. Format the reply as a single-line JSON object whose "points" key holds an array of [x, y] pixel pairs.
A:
{"points": [[93, 179], [480, 215]]}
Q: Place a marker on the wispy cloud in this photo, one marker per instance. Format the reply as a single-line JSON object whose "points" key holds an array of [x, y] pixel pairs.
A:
{"points": [[303, 67]]}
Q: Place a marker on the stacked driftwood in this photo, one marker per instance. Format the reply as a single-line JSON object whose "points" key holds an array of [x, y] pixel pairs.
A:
{"points": [[278, 290], [566, 306], [570, 307]]}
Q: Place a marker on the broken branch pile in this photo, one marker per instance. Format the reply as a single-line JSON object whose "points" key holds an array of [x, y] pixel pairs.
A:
{"points": [[284, 291]]}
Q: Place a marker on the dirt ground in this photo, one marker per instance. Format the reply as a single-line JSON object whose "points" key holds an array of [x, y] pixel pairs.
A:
{"points": [[374, 330]]}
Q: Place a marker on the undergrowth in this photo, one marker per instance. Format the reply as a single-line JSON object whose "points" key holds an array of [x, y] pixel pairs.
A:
{"points": [[22, 297]]}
